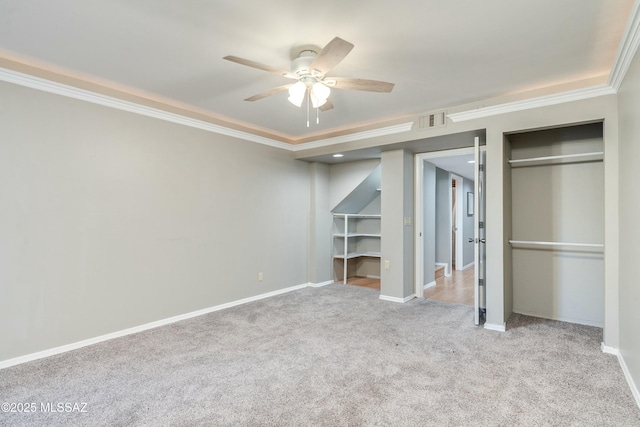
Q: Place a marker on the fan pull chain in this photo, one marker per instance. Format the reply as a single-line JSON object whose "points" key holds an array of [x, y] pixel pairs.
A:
{"points": [[317, 115], [308, 100]]}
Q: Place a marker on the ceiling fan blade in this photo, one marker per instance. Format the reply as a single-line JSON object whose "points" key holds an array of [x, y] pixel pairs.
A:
{"points": [[359, 84], [326, 106], [268, 93], [331, 55], [259, 66]]}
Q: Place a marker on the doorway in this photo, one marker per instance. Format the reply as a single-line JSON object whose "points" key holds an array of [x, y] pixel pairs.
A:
{"points": [[445, 247]]}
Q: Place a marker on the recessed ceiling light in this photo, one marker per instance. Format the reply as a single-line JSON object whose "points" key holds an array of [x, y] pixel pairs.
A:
{"points": [[471, 161], [338, 155]]}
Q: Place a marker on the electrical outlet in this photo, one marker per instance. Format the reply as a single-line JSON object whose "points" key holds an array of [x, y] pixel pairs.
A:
{"points": [[386, 264], [260, 276]]}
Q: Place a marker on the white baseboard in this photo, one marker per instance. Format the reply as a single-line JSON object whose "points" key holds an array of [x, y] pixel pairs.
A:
{"points": [[609, 350], [319, 285], [369, 276], [494, 327], [76, 345], [625, 370], [561, 318], [465, 267], [447, 270], [429, 285], [396, 299]]}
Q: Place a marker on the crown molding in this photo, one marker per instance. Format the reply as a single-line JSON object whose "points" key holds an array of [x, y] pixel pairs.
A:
{"points": [[357, 136], [537, 102], [626, 52], [627, 49], [49, 86]]}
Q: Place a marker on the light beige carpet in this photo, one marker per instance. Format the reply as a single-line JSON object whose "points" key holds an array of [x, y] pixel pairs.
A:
{"points": [[333, 356]]}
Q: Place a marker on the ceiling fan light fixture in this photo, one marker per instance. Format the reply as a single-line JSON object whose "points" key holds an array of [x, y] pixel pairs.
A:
{"points": [[317, 102], [296, 93], [321, 92]]}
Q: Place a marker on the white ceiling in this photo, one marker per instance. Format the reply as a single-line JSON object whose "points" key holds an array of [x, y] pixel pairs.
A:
{"points": [[439, 53], [458, 164]]}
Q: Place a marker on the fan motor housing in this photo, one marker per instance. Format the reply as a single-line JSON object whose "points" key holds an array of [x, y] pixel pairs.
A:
{"points": [[301, 64]]}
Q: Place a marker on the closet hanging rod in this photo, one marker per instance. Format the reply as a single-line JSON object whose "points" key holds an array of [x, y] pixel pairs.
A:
{"points": [[563, 156], [529, 242]]}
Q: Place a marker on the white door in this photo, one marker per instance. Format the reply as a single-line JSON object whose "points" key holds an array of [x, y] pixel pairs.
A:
{"points": [[479, 234]]}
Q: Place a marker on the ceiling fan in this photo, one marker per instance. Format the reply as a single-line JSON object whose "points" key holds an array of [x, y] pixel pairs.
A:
{"points": [[310, 70]]}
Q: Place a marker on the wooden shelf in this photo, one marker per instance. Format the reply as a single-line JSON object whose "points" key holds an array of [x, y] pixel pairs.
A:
{"points": [[358, 237], [352, 255]]}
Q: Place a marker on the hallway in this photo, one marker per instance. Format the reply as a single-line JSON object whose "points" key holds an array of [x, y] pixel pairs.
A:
{"points": [[457, 289]]}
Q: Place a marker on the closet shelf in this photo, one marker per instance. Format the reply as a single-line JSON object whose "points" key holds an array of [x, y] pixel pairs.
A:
{"points": [[352, 255], [357, 235], [530, 242], [598, 155], [338, 215]]}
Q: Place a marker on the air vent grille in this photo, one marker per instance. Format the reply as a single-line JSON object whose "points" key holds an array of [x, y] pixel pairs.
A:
{"points": [[432, 120]]}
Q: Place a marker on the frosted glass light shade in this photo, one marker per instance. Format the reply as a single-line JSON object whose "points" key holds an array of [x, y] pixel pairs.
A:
{"points": [[315, 102], [320, 91], [296, 93]]}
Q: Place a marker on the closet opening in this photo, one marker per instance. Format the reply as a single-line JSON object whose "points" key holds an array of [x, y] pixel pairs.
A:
{"points": [[557, 223]]}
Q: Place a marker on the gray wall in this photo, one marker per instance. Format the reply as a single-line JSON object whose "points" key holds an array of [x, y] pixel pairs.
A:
{"points": [[467, 225], [443, 217], [397, 236], [320, 225], [629, 120], [110, 220]]}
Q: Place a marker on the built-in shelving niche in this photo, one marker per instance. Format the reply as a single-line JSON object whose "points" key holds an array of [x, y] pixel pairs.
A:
{"points": [[356, 232]]}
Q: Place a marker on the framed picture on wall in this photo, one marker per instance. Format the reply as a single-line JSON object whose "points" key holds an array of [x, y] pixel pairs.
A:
{"points": [[469, 204]]}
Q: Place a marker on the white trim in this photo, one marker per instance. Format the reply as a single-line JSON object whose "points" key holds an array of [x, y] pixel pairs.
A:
{"points": [[319, 285], [459, 224], [627, 49], [471, 264], [74, 346], [357, 136], [494, 327], [44, 85], [429, 285], [627, 375], [537, 102], [625, 370], [447, 268], [609, 350], [562, 319], [396, 299]]}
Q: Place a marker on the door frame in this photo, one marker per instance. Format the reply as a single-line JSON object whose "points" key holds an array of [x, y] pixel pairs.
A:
{"points": [[459, 225], [418, 199]]}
